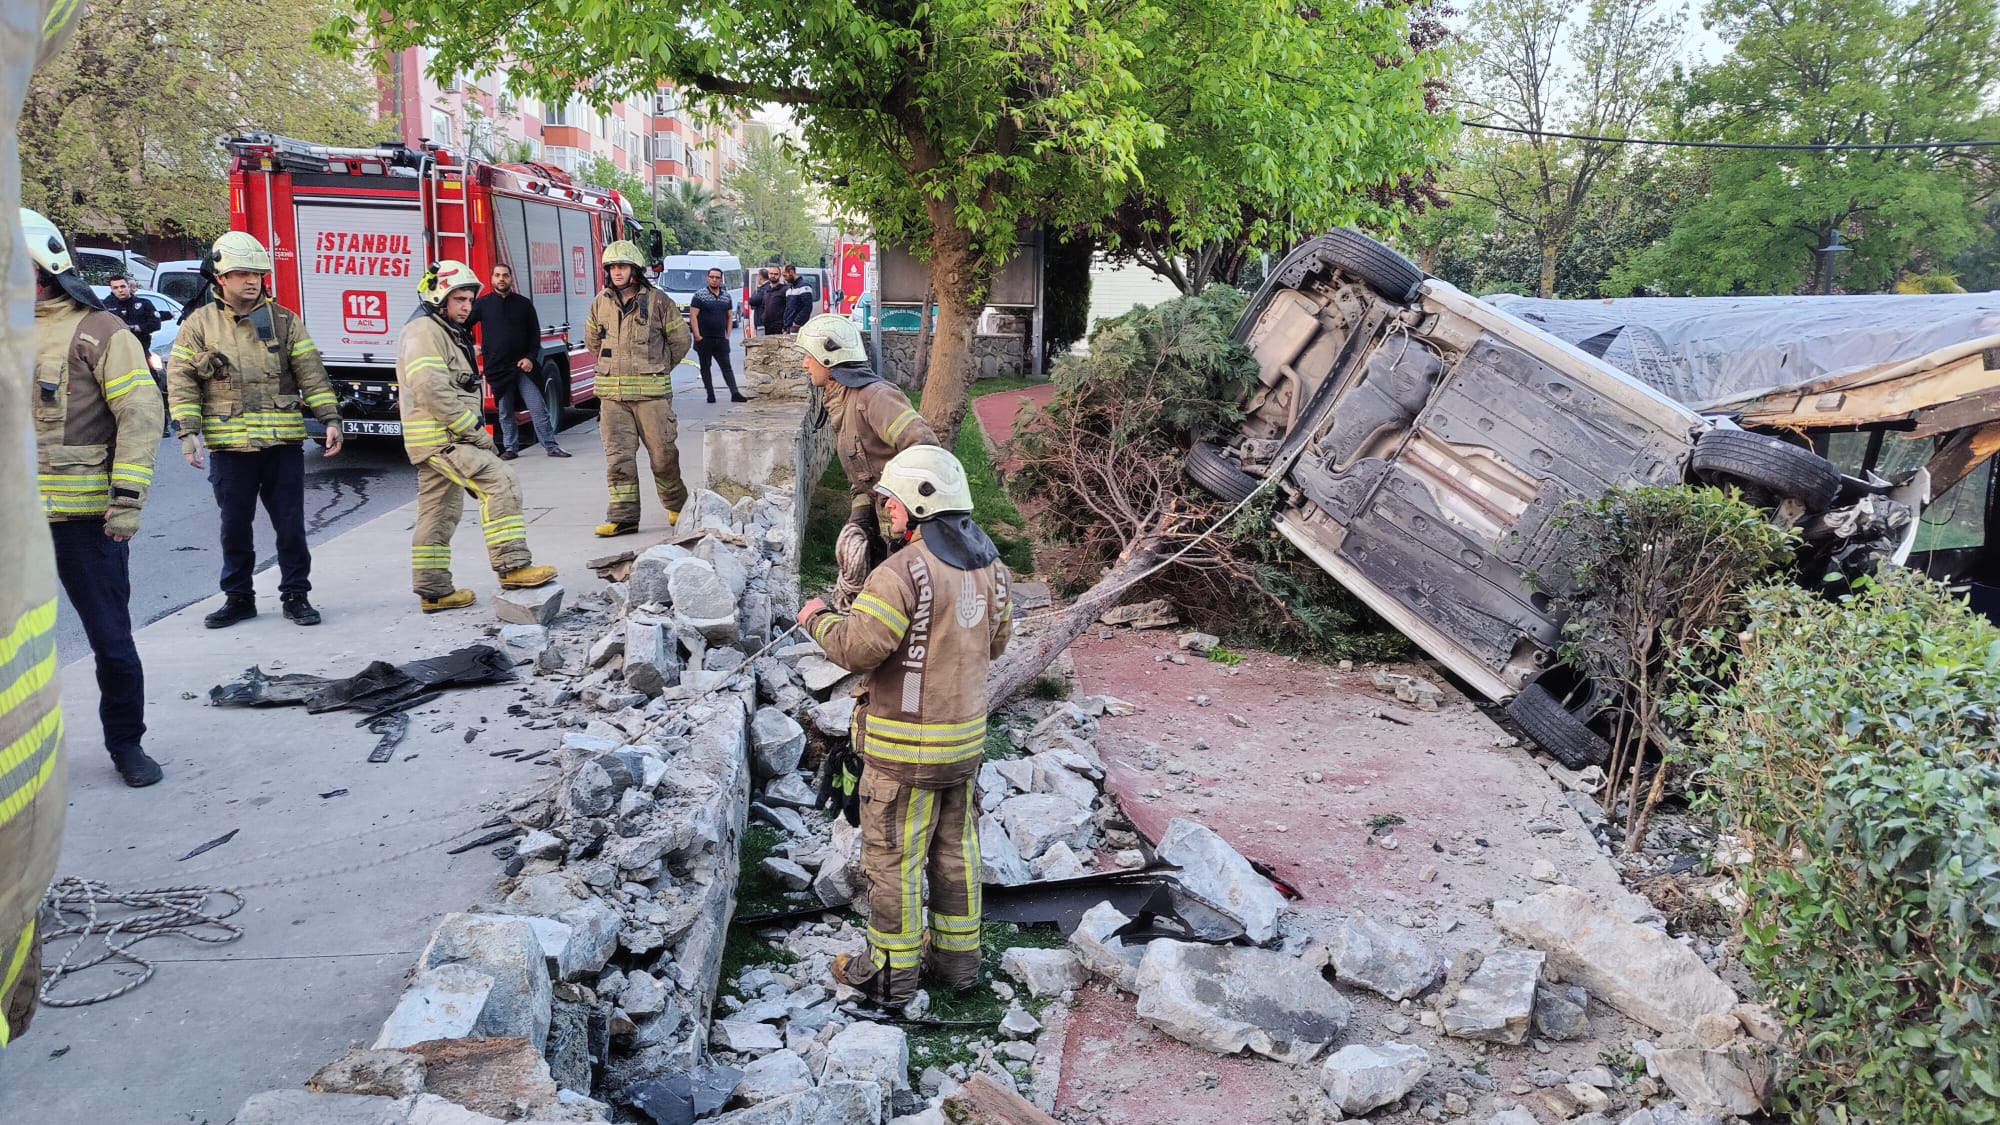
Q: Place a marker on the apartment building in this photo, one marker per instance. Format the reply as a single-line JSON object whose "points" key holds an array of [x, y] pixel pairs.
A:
{"points": [[653, 137]]}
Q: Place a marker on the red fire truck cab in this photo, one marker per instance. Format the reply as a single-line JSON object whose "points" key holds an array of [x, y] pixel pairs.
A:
{"points": [[352, 229]]}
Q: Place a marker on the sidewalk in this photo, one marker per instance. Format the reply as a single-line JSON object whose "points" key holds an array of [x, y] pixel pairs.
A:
{"points": [[322, 959]]}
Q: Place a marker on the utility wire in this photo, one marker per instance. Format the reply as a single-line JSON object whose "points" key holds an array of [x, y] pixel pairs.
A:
{"points": [[1844, 147]]}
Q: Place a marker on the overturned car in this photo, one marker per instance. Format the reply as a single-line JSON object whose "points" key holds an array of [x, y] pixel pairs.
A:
{"points": [[1425, 443]]}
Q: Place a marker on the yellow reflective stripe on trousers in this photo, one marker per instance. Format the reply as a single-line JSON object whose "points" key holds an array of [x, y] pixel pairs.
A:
{"points": [[431, 557], [121, 385], [624, 492], [27, 665], [882, 611], [10, 971], [903, 947], [506, 529]]}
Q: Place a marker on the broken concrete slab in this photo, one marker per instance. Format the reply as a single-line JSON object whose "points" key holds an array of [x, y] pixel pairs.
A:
{"points": [[790, 791], [1496, 1002], [508, 951], [870, 1052], [1051, 773], [833, 718], [1737, 1079], [839, 1102], [649, 582], [774, 1076], [788, 875], [539, 606], [302, 1107], [1155, 614], [381, 1073], [819, 674], [983, 1100], [1638, 970], [505, 1078], [776, 743], [1361, 1079], [439, 1003], [745, 1037], [1198, 643], [1561, 1014], [1044, 972], [1101, 952], [1000, 861], [1382, 958], [1037, 820], [652, 657], [1059, 862], [1217, 872], [524, 643], [1231, 998]]}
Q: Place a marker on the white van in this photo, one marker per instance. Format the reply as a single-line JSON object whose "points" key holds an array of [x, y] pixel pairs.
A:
{"points": [[682, 275]]}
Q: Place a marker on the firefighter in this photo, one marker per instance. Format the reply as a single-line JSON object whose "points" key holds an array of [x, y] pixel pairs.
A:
{"points": [[97, 427], [922, 632], [447, 442], [639, 336], [240, 370], [872, 422], [32, 789]]}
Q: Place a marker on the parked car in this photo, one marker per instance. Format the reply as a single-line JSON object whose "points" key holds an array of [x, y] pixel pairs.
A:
{"points": [[170, 325], [180, 279], [98, 263], [1425, 444]]}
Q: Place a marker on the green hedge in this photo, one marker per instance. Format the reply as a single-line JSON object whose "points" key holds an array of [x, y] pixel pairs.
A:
{"points": [[1857, 751]]}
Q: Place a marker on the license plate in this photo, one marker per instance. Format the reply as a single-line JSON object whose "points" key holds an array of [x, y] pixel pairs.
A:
{"points": [[385, 429]]}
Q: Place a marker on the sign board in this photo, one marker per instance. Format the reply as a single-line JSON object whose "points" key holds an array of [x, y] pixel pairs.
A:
{"points": [[357, 262], [853, 274], [905, 278]]}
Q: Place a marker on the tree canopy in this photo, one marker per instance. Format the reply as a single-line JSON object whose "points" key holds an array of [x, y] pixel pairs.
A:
{"points": [[119, 134], [949, 124], [773, 216]]}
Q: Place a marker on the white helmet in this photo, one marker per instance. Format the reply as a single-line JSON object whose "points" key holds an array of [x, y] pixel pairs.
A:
{"points": [[444, 279], [832, 339], [239, 250], [927, 480], [45, 243]]}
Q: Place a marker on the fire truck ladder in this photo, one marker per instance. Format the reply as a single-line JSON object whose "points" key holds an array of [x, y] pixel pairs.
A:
{"points": [[445, 192]]}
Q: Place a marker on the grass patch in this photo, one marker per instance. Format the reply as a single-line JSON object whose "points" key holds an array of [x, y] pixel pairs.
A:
{"points": [[991, 505], [1220, 655], [999, 747], [1052, 689], [746, 950], [940, 1047]]}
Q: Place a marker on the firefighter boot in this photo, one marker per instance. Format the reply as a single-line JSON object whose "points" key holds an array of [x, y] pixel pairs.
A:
{"points": [[527, 577], [457, 599], [615, 528], [237, 607]]}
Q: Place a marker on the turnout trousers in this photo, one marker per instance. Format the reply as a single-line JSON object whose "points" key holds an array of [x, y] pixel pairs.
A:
{"points": [[907, 833], [442, 483], [277, 476], [95, 572], [627, 425]]}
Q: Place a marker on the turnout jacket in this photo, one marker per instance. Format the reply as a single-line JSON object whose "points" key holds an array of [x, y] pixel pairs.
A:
{"points": [[637, 342], [244, 378], [924, 633], [97, 412], [440, 391], [871, 424]]}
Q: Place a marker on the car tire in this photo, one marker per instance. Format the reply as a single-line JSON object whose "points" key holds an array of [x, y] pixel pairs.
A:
{"points": [[555, 394], [1762, 464], [1381, 268], [1217, 474], [1543, 718]]}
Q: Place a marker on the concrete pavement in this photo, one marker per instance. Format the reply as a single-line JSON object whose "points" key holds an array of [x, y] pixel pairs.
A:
{"points": [[323, 956]]}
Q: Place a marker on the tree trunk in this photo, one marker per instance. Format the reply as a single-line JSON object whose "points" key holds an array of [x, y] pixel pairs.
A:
{"points": [[1547, 286], [955, 278], [1025, 658]]}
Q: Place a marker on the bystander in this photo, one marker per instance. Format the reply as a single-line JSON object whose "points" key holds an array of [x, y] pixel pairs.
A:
{"points": [[510, 340]]}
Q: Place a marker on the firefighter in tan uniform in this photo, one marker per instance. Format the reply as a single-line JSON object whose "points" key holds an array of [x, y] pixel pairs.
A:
{"points": [[453, 453], [97, 431], [241, 369], [872, 418], [32, 789], [922, 631], [638, 334]]}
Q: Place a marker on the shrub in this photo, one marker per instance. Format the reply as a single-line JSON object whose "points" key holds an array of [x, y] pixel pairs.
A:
{"points": [[1857, 751], [1658, 573]]}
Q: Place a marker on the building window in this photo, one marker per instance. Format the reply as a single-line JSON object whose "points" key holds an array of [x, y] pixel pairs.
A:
{"points": [[562, 156], [666, 103], [671, 150], [442, 131], [603, 127], [556, 115]]}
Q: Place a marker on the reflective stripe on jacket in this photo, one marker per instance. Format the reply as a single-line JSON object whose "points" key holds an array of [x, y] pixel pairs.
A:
{"points": [[871, 424], [440, 392], [245, 390], [97, 412], [924, 633], [637, 342]]}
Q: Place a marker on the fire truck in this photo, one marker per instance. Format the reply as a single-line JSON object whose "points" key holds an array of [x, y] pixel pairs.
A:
{"points": [[352, 229]]}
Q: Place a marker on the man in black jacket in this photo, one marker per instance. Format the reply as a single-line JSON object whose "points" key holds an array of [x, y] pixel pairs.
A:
{"points": [[774, 304], [137, 312], [800, 297], [756, 302], [510, 339]]}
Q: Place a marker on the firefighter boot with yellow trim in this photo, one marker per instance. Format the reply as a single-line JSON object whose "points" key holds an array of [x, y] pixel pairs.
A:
{"points": [[527, 577], [457, 599], [611, 530]]}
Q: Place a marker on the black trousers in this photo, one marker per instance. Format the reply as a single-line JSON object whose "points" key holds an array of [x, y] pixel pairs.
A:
{"points": [[715, 349], [277, 476], [95, 573]]}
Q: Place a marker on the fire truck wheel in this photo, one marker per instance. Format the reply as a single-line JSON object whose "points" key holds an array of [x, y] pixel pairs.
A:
{"points": [[555, 392]]}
